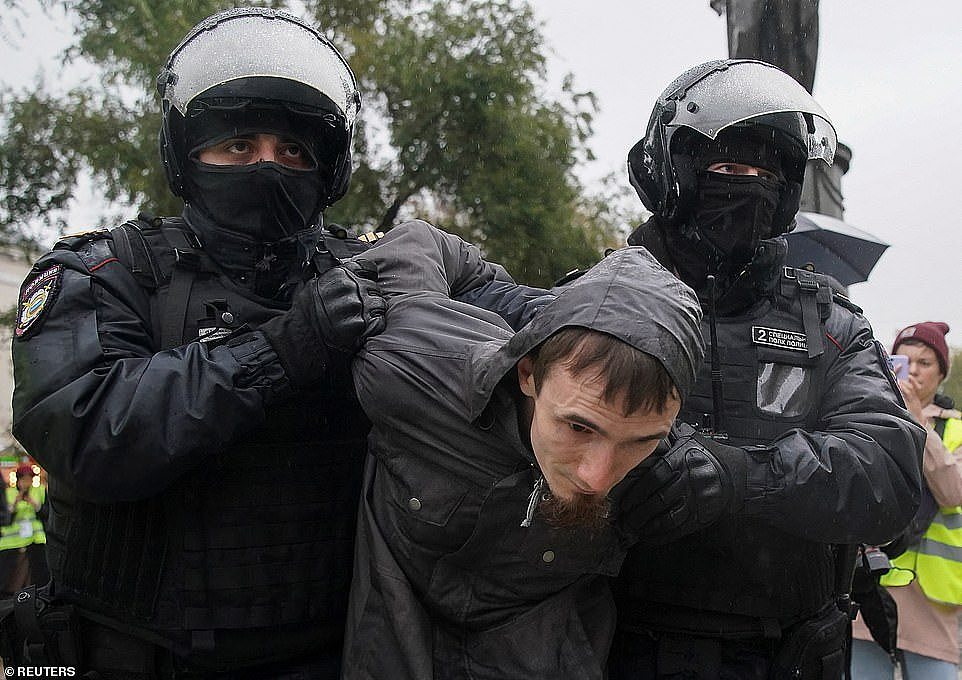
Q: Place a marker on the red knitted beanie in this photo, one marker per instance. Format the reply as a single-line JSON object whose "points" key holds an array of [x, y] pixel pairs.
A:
{"points": [[931, 333]]}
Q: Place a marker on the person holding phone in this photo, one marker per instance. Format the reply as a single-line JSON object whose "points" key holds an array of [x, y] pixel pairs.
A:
{"points": [[928, 604]]}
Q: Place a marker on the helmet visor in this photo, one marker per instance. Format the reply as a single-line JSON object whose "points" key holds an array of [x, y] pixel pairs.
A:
{"points": [[264, 44], [736, 92]]}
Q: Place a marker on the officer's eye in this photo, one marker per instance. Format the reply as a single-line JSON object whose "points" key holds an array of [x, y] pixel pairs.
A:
{"points": [[237, 146], [294, 155], [291, 150], [579, 428], [766, 174]]}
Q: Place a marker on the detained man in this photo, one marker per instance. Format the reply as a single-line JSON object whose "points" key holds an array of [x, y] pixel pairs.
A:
{"points": [[492, 510]]}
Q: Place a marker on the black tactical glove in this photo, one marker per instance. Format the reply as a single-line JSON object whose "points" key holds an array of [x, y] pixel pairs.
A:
{"points": [[329, 319], [686, 485]]}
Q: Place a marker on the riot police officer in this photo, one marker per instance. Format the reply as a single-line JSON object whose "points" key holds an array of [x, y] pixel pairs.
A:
{"points": [[814, 448], [184, 380]]}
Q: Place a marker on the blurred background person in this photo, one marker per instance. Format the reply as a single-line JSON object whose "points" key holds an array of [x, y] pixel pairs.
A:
{"points": [[22, 540], [928, 605]]}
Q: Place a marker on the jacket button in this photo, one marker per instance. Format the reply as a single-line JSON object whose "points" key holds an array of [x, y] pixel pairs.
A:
{"points": [[414, 504], [227, 318], [548, 556]]}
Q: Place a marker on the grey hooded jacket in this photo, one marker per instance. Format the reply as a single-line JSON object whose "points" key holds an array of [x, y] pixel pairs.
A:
{"points": [[447, 582]]}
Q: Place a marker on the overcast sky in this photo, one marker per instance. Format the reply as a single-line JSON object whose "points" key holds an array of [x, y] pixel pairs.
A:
{"points": [[888, 74]]}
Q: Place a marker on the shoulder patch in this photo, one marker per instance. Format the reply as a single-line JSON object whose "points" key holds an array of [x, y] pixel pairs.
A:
{"points": [[371, 236], [83, 232], [79, 239], [36, 297], [570, 276]]}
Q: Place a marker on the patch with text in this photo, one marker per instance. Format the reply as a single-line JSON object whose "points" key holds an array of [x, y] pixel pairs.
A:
{"points": [[782, 339]]}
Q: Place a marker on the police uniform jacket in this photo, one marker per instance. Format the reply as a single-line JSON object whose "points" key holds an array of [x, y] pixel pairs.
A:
{"points": [[448, 583], [834, 458]]}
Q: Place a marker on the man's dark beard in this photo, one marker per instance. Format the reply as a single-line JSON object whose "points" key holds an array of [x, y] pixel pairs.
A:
{"points": [[581, 512]]}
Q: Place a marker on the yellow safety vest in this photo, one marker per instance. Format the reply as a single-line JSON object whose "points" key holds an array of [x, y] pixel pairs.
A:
{"points": [[936, 562], [25, 529]]}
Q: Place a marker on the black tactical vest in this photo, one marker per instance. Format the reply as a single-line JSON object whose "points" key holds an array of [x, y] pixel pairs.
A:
{"points": [[249, 556], [741, 577]]}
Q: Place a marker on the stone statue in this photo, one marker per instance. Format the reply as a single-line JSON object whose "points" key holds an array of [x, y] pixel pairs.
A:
{"points": [[781, 32]]}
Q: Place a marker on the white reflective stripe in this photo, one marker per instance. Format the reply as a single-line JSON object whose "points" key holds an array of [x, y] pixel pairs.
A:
{"points": [[951, 521], [941, 550]]}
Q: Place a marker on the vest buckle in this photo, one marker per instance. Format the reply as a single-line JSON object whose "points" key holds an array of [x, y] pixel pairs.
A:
{"points": [[187, 258]]}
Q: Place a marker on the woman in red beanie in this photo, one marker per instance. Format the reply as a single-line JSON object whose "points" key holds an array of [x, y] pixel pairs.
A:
{"points": [[929, 603]]}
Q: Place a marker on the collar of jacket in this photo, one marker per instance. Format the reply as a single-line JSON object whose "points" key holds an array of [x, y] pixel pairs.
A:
{"points": [[757, 281], [627, 295], [502, 406], [259, 266]]}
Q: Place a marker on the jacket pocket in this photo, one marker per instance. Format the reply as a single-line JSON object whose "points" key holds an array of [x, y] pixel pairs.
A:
{"points": [[567, 636], [785, 383], [422, 501]]}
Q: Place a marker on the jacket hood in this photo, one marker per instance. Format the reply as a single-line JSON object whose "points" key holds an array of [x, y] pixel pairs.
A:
{"points": [[627, 295]]}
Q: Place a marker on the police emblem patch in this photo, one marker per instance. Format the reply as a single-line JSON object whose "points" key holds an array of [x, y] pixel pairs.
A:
{"points": [[776, 337], [36, 298]]}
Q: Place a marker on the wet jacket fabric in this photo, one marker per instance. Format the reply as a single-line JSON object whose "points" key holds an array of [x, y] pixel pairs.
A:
{"points": [[835, 460], [448, 584]]}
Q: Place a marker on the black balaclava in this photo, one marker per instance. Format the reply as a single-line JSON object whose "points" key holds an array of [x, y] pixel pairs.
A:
{"points": [[260, 222], [265, 200], [728, 215]]}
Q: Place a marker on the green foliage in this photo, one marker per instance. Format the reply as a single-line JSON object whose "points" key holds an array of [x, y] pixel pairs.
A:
{"points": [[456, 128], [38, 168], [953, 384], [475, 146]]}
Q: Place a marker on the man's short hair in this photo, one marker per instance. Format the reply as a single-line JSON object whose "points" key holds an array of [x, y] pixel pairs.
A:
{"points": [[628, 373]]}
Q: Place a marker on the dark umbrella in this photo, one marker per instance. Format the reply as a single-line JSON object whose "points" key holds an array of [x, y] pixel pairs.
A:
{"points": [[833, 247]]}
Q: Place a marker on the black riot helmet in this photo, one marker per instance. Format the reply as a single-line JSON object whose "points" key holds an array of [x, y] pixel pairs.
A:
{"points": [[251, 70], [737, 103]]}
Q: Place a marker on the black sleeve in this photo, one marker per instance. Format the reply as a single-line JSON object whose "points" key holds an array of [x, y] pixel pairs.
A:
{"points": [[417, 257], [513, 302], [103, 412]]}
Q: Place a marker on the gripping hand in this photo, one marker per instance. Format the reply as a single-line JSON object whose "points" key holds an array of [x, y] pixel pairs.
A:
{"points": [[329, 320], [685, 486]]}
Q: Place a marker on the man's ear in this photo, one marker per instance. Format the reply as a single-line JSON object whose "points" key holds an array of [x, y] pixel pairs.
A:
{"points": [[526, 377]]}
